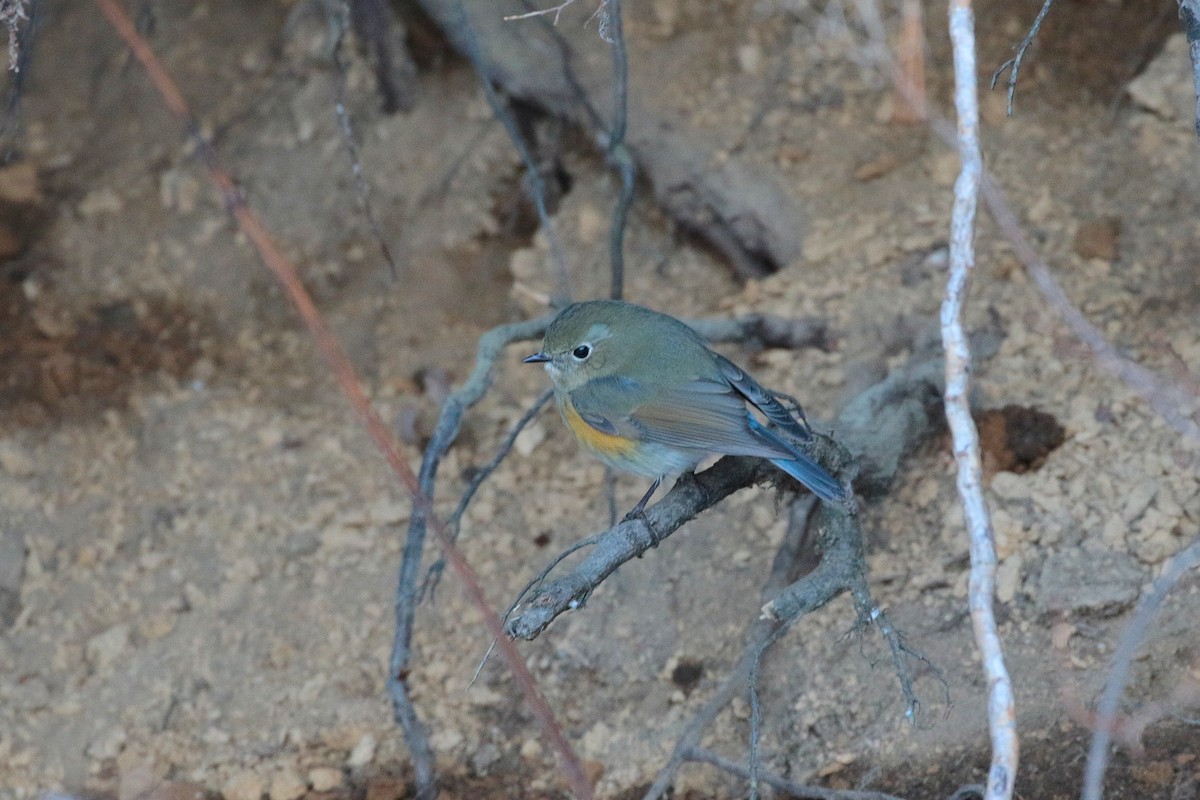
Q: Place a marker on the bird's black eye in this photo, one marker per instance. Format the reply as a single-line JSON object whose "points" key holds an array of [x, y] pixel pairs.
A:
{"points": [[582, 352]]}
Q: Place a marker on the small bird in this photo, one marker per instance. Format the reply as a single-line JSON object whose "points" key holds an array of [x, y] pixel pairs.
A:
{"points": [[643, 392]]}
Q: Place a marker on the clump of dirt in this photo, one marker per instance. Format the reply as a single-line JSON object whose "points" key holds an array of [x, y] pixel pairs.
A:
{"points": [[1050, 769], [1017, 439], [56, 362]]}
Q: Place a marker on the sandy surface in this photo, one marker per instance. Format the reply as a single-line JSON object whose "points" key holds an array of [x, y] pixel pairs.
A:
{"points": [[198, 544]]}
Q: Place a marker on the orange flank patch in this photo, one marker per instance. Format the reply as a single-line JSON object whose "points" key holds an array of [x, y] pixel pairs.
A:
{"points": [[603, 444]]}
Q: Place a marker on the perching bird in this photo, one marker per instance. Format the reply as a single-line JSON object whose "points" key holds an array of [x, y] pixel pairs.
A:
{"points": [[643, 392]]}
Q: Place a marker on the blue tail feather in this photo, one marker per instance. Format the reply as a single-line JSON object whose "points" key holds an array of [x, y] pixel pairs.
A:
{"points": [[814, 476], [802, 468]]}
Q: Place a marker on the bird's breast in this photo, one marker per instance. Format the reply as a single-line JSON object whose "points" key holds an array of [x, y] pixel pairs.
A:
{"points": [[605, 445]]}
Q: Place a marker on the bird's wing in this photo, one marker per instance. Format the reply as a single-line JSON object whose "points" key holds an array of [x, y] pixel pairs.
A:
{"points": [[702, 416], [763, 400]]}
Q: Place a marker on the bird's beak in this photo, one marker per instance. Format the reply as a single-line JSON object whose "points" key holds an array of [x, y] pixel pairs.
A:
{"points": [[536, 358]]}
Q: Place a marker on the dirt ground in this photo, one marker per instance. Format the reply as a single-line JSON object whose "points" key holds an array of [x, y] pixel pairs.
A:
{"points": [[198, 544]]}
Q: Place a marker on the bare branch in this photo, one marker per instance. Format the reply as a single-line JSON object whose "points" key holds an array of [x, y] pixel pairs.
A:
{"points": [[786, 562], [1189, 12], [481, 475], [736, 207], [789, 788], [1169, 399], [982, 581], [1015, 62], [840, 568], [1118, 676], [12, 14], [555, 10], [537, 187], [395, 71], [484, 472], [361, 187], [629, 539], [612, 31]]}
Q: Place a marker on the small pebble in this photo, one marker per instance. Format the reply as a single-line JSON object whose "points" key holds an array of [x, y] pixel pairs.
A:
{"points": [[244, 786], [100, 201], [528, 439], [15, 460], [750, 58], [108, 744], [286, 785], [325, 779], [363, 752], [106, 647]]}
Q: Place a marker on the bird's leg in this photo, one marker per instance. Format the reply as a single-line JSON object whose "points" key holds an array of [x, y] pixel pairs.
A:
{"points": [[640, 509]]}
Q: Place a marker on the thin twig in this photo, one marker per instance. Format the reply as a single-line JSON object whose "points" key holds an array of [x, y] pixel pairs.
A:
{"points": [[484, 472], [760, 631], [754, 773], [408, 581], [612, 31], [1118, 675], [911, 61], [348, 381], [870, 613], [533, 173], [361, 187], [10, 114], [1015, 61], [1166, 397], [783, 785], [541, 12], [982, 581], [442, 184], [1189, 14], [532, 584], [12, 14], [769, 96], [395, 71], [565, 66], [481, 475]]}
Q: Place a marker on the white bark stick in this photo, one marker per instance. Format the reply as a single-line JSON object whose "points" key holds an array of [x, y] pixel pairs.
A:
{"points": [[1001, 709]]}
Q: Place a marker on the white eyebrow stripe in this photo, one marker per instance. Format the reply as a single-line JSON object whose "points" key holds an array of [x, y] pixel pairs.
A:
{"points": [[598, 332]]}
